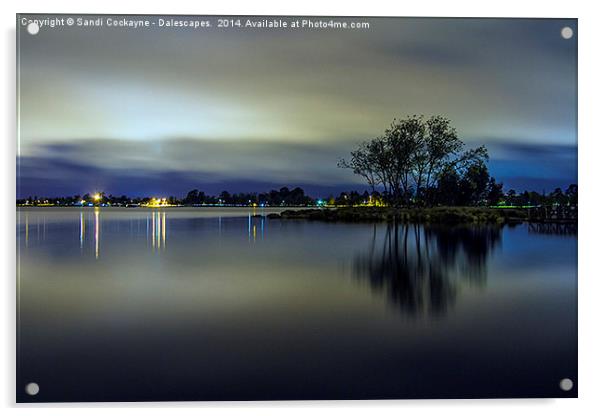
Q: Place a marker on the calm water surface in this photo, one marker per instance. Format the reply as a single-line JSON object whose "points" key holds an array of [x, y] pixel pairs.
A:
{"points": [[215, 304]]}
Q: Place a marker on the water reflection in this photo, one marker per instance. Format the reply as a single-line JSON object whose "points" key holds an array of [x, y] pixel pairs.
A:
{"points": [[26, 229], [82, 230], [420, 268], [568, 229], [252, 226], [91, 227], [95, 227], [290, 301], [96, 232], [158, 230]]}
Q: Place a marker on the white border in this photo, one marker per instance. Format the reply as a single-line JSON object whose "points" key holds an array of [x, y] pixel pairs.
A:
{"points": [[590, 286]]}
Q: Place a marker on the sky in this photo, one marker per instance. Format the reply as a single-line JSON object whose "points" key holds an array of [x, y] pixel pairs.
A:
{"points": [[160, 111]]}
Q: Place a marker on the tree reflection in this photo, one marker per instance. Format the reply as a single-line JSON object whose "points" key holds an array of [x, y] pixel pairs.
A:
{"points": [[568, 229], [419, 268]]}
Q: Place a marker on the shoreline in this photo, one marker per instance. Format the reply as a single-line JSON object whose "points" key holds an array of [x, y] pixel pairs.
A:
{"points": [[438, 215], [132, 207], [423, 215]]}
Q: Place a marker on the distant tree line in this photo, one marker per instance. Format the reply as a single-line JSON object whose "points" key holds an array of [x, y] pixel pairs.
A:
{"points": [[282, 197], [297, 197], [556, 197]]}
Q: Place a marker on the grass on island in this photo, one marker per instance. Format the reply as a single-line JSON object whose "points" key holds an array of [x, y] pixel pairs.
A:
{"points": [[450, 215]]}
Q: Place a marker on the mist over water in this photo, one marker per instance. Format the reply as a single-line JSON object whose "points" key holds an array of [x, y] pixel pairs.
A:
{"points": [[208, 304]]}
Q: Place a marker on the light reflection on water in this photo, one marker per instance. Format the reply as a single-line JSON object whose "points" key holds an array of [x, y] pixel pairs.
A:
{"points": [[223, 304], [155, 222], [158, 233]]}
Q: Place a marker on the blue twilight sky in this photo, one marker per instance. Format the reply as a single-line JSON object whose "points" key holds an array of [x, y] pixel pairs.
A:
{"points": [[161, 111]]}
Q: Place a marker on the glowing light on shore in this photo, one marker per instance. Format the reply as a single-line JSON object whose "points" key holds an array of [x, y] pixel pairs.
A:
{"points": [[158, 202]]}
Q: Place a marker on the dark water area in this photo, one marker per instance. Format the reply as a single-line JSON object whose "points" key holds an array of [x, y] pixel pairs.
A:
{"points": [[216, 304]]}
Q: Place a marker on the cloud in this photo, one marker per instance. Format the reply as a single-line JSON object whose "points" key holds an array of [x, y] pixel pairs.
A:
{"points": [[175, 166], [522, 165], [258, 108], [167, 164], [490, 76]]}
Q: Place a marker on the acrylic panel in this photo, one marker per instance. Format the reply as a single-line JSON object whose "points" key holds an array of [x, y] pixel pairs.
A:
{"points": [[295, 208]]}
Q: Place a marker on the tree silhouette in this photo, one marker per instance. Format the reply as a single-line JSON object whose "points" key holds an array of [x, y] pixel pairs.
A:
{"points": [[411, 158]]}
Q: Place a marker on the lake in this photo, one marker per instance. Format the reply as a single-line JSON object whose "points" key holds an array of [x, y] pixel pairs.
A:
{"points": [[216, 304]]}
